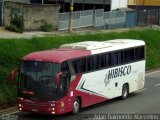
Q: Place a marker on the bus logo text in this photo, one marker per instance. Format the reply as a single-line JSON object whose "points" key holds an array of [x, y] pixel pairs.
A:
{"points": [[118, 72]]}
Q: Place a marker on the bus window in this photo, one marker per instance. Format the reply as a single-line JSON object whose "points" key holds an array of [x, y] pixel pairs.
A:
{"points": [[129, 55], [105, 60], [102, 61], [108, 59], [64, 79], [65, 68], [93, 63], [120, 57], [114, 58], [139, 53], [79, 65]]}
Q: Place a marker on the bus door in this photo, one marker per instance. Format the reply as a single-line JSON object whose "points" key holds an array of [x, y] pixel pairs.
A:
{"points": [[64, 81]]}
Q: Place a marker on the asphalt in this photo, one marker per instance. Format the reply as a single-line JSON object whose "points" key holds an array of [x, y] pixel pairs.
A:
{"points": [[144, 104]]}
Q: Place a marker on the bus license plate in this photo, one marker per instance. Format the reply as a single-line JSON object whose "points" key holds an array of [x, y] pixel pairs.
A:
{"points": [[35, 110]]}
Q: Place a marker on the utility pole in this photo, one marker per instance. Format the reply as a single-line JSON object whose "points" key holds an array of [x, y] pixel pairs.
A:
{"points": [[83, 4], [70, 16], [2, 15]]}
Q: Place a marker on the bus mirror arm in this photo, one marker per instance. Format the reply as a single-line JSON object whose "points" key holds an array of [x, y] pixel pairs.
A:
{"points": [[13, 73]]}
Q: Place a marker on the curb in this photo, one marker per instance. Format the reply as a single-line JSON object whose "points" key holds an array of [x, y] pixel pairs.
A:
{"points": [[153, 70], [8, 109]]}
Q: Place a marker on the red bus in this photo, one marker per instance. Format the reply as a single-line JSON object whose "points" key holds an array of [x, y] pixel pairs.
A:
{"points": [[78, 75]]}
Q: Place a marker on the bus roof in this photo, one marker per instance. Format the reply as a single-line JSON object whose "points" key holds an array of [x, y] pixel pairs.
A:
{"points": [[95, 45], [56, 55], [81, 49]]}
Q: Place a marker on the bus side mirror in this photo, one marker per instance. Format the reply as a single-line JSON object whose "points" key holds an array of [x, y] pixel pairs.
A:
{"points": [[57, 78], [13, 73]]}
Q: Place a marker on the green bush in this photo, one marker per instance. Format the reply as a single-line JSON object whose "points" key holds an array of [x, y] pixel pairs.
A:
{"points": [[46, 27], [16, 22]]}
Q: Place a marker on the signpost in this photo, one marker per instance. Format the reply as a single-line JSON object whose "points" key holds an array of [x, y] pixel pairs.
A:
{"points": [[70, 16]]}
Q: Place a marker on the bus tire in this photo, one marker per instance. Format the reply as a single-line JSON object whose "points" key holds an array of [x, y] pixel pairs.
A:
{"points": [[76, 106], [125, 92]]}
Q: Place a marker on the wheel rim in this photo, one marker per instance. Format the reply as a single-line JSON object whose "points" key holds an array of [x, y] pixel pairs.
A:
{"points": [[76, 106]]}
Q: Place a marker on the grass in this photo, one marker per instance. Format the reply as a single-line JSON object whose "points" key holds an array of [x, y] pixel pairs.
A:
{"points": [[12, 50]]}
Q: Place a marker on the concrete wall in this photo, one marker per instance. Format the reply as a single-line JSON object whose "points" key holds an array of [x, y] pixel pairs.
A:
{"points": [[116, 4], [33, 14]]}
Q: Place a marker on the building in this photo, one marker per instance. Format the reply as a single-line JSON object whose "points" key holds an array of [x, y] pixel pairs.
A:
{"points": [[107, 5], [144, 4], [1, 7], [34, 15], [79, 5]]}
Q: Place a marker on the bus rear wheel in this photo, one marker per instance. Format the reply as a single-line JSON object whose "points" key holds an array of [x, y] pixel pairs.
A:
{"points": [[76, 106], [125, 92]]}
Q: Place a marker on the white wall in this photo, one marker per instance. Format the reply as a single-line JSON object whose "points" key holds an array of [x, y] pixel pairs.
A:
{"points": [[115, 4]]}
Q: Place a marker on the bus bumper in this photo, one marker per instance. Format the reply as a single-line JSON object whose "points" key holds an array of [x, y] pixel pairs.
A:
{"points": [[36, 106]]}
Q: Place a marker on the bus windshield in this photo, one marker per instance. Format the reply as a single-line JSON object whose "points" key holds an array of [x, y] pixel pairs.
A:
{"points": [[36, 80]]}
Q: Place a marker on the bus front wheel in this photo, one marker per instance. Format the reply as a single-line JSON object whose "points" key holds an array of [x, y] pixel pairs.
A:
{"points": [[125, 92], [76, 106]]}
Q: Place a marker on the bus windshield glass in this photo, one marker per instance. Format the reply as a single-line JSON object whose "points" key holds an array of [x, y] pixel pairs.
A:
{"points": [[36, 80]]}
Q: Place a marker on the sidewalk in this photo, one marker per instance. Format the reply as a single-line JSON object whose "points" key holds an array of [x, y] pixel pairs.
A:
{"points": [[9, 34], [89, 30]]}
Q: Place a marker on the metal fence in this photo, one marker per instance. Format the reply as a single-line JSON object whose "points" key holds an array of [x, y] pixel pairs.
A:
{"points": [[97, 18], [109, 20], [114, 19], [79, 19], [148, 17]]}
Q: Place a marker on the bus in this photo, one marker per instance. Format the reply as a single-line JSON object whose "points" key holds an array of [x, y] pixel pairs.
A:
{"points": [[78, 75]]}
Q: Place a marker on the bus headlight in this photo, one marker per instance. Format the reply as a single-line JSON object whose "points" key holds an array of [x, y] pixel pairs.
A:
{"points": [[53, 112], [20, 105]]}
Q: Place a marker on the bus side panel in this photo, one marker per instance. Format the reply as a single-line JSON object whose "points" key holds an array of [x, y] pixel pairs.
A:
{"points": [[135, 80], [78, 90], [108, 84], [94, 85], [139, 76]]}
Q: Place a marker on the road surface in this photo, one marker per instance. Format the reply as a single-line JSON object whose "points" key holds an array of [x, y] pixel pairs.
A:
{"points": [[145, 101]]}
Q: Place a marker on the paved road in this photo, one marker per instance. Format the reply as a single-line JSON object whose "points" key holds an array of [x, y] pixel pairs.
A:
{"points": [[145, 101]]}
